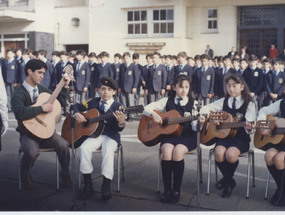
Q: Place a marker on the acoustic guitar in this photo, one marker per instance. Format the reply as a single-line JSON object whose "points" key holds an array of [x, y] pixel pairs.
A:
{"points": [[93, 126], [227, 128], [276, 136], [43, 125], [151, 133]]}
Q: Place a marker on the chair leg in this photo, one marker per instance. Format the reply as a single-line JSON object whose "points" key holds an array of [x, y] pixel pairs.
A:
{"points": [[209, 171], [119, 167], [248, 174], [158, 171], [200, 165], [79, 176], [122, 164], [267, 185], [57, 173], [253, 170], [19, 170]]}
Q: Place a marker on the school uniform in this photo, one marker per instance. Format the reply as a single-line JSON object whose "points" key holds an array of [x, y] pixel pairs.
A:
{"points": [[94, 76], [156, 81], [116, 70], [277, 109], [263, 96], [3, 109], [108, 142], [137, 94], [59, 70], [185, 69], [174, 169], [106, 70], [170, 74], [49, 76], [22, 74], [129, 77], [204, 79], [144, 77], [274, 84], [254, 80], [241, 141], [82, 78], [10, 77]]}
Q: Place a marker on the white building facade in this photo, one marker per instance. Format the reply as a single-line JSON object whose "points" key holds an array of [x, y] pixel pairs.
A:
{"points": [[143, 26]]}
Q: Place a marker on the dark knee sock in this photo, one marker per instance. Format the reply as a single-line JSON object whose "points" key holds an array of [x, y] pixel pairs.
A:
{"points": [[178, 170], [222, 167], [166, 168], [87, 179], [231, 168], [276, 174]]}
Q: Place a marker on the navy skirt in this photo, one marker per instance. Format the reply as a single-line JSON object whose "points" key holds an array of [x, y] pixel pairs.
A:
{"points": [[242, 145], [187, 138], [280, 147]]}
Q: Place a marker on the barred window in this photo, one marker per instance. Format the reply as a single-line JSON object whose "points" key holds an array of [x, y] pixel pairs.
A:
{"points": [[212, 20], [137, 22], [163, 21], [258, 16]]}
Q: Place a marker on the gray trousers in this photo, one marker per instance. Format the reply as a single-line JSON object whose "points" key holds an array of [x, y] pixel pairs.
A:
{"points": [[9, 90], [127, 99], [30, 148], [80, 95], [153, 96]]}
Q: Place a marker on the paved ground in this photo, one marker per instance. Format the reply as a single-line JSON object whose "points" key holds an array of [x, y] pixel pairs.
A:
{"points": [[138, 191]]}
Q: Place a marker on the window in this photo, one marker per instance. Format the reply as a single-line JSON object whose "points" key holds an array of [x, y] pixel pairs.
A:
{"points": [[137, 22], [163, 21], [212, 20]]}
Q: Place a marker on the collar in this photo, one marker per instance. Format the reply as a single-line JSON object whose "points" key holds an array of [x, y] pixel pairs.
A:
{"points": [[29, 88], [183, 101], [108, 102]]}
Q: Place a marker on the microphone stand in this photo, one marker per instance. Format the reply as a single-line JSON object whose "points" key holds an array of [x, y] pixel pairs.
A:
{"points": [[198, 107], [74, 206]]}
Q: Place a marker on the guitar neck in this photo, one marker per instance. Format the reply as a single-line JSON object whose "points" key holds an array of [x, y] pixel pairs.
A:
{"points": [[56, 92], [278, 131], [226, 125], [180, 120]]}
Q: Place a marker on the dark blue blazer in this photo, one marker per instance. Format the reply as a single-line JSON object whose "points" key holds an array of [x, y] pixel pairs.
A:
{"points": [[170, 74], [128, 77], [156, 79], [82, 76], [116, 70], [59, 71], [186, 70], [10, 72], [93, 73], [254, 80], [204, 82], [274, 83], [106, 70], [219, 85], [21, 74], [112, 128], [49, 76]]}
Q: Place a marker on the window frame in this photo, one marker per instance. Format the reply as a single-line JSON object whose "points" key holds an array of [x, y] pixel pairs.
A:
{"points": [[135, 22], [159, 21], [212, 20]]}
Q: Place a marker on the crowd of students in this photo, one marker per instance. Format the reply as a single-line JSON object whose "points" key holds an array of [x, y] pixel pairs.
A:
{"points": [[263, 76]]}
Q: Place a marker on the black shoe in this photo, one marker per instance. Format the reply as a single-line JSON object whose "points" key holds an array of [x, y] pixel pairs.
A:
{"points": [[220, 184], [165, 196], [87, 192], [280, 200], [174, 197], [275, 196], [227, 192], [105, 189]]}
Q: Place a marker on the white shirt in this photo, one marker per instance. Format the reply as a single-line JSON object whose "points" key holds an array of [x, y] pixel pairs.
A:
{"points": [[3, 104], [108, 104], [30, 89], [273, 109], [250, 114], [160, 105]]}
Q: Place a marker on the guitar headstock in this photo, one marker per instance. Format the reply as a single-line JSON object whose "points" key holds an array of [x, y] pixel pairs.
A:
{"points": [[266, 124], [132, 109], [221, 116], [68, 70]]}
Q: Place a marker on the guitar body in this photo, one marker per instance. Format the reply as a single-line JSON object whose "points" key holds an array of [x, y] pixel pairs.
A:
{"points": [[210, 132], [261, 140], [151, 133], [82, 130], [43, 125]]}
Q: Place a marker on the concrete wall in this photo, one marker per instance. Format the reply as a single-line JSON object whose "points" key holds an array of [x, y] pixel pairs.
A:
{"points": [[41, 40]]}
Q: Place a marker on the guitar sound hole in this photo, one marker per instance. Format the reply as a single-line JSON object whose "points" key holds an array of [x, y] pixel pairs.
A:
{"points": [[164, 122]]}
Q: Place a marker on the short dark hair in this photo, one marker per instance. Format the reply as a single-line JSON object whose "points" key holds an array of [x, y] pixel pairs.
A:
{"points": [[118, 55], [26, 51], [10, 50], [126, 54], [35, 64], [205, 56], [63, 53], [157, 53], [148, 55], [104, 54], [42, 52], [182, 54], [81, 52], [56, 53], [136, 56], [92, 54], [252, 58], [197, 57]]}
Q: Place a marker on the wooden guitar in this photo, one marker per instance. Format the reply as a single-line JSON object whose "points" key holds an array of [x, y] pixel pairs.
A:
{"points": [[228, 127], [43, 125], [93, 127], [276, 136], [151, 133]]}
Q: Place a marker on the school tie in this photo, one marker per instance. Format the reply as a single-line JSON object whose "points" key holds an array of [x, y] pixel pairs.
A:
{"points": [[102, 106], [78, 66], [203, 69], [180, 67], [179, 101], [35, 94], [234, 104], [275, 73], [154, 66]]}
